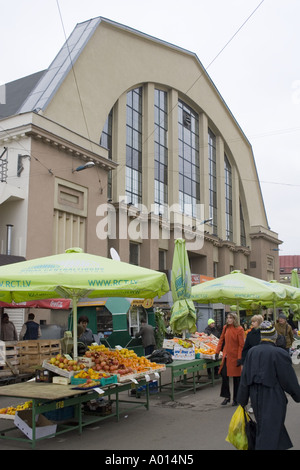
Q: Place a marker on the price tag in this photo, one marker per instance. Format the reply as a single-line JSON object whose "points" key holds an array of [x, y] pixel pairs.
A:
{"points": [[99, 390], [134, 381], [147, 377]]}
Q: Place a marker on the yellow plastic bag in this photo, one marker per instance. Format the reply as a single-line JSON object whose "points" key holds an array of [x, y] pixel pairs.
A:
{"points": [[237, 432]]}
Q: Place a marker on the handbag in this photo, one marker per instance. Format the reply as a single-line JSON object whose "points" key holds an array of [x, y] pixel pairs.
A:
{"points": [[250, 428]]}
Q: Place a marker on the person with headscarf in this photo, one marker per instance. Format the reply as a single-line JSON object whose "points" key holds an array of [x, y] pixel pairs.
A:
{"points": [[267, 376]]}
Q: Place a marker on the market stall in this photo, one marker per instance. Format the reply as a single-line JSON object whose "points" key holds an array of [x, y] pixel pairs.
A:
{"points": [[52, 398], [68, 385], [182, 369], [189, 358]]}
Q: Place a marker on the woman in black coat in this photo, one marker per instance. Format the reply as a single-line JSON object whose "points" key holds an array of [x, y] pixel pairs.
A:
{"points": [[267, 374], [253, 336]]}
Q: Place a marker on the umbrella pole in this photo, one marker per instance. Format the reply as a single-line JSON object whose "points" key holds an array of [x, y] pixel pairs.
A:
{"points": [[75, 346]]}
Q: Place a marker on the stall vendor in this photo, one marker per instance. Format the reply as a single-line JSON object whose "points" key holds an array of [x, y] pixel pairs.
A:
{"points": [[86, 336]]}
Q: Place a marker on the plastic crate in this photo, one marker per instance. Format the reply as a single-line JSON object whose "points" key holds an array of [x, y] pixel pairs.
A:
{"points": [[153, 387], [62, 414], [103, 381]]}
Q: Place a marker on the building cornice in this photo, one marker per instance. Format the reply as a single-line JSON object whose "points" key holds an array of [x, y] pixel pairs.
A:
{"points": [[265, 236], [62, 144], [32, 130]]}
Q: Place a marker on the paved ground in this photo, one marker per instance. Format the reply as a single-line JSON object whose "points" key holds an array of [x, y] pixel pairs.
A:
{"points": [[191, 422]]}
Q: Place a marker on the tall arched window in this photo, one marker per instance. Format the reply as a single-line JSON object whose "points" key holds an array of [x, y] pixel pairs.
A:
{"points": [[106, 142], [213, 210], [160, 151], [228, 199], [188, 154], [133, 186]]}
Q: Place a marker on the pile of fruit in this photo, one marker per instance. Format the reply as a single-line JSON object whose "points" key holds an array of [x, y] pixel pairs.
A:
{"points": [[67, 364], [100, 362], [91, 374], [88, 384], [209, 351], [119, 361], [11, 410], [185, 343]]}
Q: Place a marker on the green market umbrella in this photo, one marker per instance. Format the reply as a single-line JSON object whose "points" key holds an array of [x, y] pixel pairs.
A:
{"points": [[75, 274], [183, 315], [236, 288], [295, 283]]}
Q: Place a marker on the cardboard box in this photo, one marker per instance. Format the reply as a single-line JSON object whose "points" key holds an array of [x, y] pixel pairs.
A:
{"points": [[183, 354], [61, 380], [44, 427]]}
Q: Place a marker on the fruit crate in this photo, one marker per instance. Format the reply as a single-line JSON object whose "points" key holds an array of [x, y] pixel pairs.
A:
{"points": [[49, 346], [27, 347], [153, 388], [58, 370], [29, 362], [87, 361], [61, 414], [113, 379]]}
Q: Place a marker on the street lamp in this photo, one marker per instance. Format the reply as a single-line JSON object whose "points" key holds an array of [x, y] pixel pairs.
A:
{"points": [[84, 167], [206, 221]]}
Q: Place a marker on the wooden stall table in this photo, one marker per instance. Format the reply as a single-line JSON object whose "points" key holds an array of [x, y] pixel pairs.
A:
{"points": [[49, 397], [182, 369]]}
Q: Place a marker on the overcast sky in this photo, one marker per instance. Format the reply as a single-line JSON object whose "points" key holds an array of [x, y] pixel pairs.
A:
{"points": [[254, 63]]}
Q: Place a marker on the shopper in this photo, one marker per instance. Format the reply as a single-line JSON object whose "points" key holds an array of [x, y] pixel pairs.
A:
{"points": [[148, 337], [212, 330], [8, 329], [284, 329], [30, 329], [86, 336], [231, 343], [267, 374], [253, 336], [292, 324]]}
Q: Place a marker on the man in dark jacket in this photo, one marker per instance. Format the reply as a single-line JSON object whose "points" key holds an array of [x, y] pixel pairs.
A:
{"points": [[267, 374], [30, 329], [148, 337]]}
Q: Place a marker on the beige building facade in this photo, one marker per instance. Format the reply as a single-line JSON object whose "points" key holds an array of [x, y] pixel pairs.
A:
{"points": [[169, 160]]}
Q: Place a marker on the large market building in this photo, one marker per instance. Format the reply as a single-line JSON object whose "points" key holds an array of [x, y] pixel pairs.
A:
{"points": [[169, 159]]}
